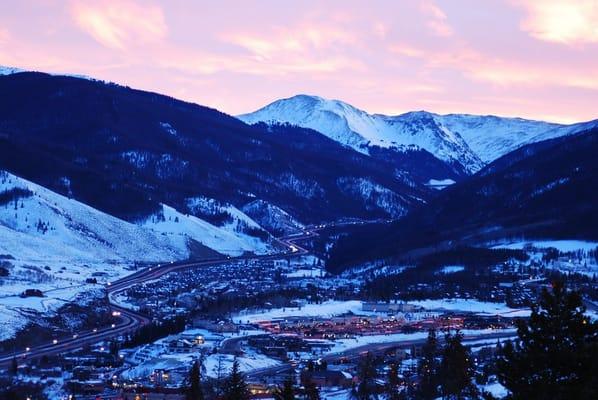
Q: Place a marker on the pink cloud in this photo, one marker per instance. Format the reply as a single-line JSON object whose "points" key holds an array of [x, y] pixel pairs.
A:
{"points": [[561, 21], [119, 24], [390, 56], [437, 20]]}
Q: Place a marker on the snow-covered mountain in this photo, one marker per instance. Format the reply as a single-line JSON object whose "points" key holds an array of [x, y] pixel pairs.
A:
{"points": [[38, 225], [469, 140], [491, 137], [358, 129], [9, 70]]}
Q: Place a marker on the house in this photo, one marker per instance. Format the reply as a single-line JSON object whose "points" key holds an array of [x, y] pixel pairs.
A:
{"points": [[179, 346], [327, 378]]}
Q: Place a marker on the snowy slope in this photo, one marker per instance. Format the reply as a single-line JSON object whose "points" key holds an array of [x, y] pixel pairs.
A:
{"points": [[272, 218], [229, 239], [470, 140], [9, 70], [45, 226], [491, 137]]}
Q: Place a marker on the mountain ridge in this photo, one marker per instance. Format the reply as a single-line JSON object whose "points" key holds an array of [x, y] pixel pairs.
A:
{"points": [[467, 139]]}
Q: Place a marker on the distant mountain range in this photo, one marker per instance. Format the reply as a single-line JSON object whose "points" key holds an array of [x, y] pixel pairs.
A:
{"points": [[209, 183], [542, 190], [126, 153], [466, 142]]}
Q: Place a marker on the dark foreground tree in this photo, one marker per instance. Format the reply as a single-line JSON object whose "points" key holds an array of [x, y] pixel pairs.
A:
{"points": [[392, 388], [235, 387], [556, 351], [367, 374], [286, 391], [311, 391], [14, 367], [456, 370], [427, 368], [194, 391]]}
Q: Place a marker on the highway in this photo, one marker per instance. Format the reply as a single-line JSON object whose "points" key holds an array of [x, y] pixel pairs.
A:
{"points": [[130, 320]]}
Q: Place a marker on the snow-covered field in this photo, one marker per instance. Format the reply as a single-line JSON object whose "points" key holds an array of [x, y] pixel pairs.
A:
{"points": [[561, 245], [341, 345], [335, 308], [473, 306], [326, 309], [249, 361]]}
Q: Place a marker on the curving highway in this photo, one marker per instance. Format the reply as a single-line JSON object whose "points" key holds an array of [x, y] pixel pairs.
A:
{"points": [[130, 320]]}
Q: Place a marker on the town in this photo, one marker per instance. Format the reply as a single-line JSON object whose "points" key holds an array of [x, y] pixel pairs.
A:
{"points": [[282, 318]]}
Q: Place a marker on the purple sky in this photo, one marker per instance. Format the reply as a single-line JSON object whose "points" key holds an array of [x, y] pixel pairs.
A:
{"points": [[528, 58]]}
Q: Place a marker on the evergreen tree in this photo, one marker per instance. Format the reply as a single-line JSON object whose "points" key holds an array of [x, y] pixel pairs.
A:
{"points": [[235, 387], [556, 351], [14, 367], [194, 391], [367, 374], [427, 368], [456, 369], [287, 391], [392, 389], [311, 390]]}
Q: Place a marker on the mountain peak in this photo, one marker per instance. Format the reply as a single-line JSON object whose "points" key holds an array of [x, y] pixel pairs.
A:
{"points": [[468, 140], [361, 131]]}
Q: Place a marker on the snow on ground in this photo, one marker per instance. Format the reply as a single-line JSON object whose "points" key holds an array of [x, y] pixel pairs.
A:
{"points": [[9, 70], [497, 390], [470, 305], [327, 309], [334, 308], [154, 356], [561, 245], [250, 360], [440, 184], [335, 394], [341, 345], [450, 269], [306, 273]]}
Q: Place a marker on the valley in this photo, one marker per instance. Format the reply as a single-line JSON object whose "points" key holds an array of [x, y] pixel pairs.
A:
{"points": [[143, 238]]}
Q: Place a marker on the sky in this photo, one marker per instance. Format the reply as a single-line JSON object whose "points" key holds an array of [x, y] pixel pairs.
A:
{"points": [[527, 58]]}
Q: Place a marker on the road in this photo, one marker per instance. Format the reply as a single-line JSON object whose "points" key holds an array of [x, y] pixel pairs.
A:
{"points": [[130, 320]]}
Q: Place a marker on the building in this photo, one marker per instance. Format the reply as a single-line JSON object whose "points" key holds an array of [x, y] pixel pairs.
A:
{"points": [[327, 378], [395, 307]]}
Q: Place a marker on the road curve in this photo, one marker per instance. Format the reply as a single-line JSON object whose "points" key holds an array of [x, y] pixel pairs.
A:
{"points": [[130, 320]]}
